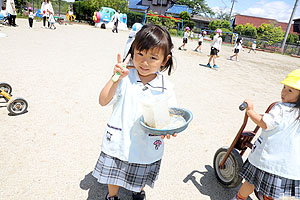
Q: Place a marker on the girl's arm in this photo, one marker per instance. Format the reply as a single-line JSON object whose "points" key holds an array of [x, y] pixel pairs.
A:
{"points": [[109, 90], [254, 116]]}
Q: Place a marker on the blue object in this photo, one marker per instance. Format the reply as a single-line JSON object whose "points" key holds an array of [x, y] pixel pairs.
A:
{"points": [[186, 114], [208, 65], [39, 13], [137, 26], [137, 5], [1, 16], [177, 9], [216, 66]]}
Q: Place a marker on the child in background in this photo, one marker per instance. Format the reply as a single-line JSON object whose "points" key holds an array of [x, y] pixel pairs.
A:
{"points": [[5, 13], [200, 40], [130, 157], [215, 48], [253, 47], [273, 166], [30, 17], [185, 38], [192, 35], [51, 21], [237, 47]]}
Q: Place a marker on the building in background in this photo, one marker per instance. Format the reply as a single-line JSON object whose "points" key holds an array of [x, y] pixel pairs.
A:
{"points": [[257, 21]]}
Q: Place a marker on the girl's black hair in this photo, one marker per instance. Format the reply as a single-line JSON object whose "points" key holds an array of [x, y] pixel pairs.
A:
{"points": [[238, 40], [153, 36], [298, 106]]}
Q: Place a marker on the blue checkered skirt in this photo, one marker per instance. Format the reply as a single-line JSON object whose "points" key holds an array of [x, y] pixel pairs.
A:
{"points": [[269, 184], [131, 176]]}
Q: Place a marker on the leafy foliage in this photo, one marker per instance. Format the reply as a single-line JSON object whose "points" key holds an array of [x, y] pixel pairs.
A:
{"points": [[292, 38], [246, 30], [198, 6], [270, 33], [215, 24], [184, 15]]}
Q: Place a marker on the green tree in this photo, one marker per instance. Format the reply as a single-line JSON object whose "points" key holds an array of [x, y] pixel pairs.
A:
{"points": [[184, 15], [215, 24], [271, 33], [292, 38], [169, 23], [121, 5], [249, 30], [154, 19], [198, 6], [239, 29]]}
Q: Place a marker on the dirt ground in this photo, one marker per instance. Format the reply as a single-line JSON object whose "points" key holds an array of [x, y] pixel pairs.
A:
{"points": [[50, 151]]}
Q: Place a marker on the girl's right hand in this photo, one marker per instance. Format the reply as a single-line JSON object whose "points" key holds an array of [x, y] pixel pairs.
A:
{"points": [[121, 67]]}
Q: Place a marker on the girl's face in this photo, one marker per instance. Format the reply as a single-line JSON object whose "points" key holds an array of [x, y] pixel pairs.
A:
{"points": [[149, 62], [289, 94]]}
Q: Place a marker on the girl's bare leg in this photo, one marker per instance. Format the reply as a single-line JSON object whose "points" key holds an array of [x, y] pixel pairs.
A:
{"points": [[214, 59], [113, 190], [246, 189]]}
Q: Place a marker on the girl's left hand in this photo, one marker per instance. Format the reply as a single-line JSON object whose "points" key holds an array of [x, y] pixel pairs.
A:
{"points": [[168, 136], [250, 104]]}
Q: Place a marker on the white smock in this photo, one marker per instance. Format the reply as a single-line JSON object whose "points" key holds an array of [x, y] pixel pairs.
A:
{"points": [[217, 42], [124, 137], [47, 7], [277, 150]]}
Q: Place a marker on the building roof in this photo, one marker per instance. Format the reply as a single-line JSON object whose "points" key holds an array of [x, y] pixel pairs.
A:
{"points": [[137, 4], [257, 21], [177, 9], [296, 20], [202, 18]]}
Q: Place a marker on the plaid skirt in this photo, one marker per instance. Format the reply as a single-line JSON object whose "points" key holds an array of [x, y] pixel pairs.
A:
{"points": [[131, 176], [269, 184]]}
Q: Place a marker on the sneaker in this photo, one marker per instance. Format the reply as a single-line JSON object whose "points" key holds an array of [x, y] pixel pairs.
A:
{"points": [[230, 58], [111, 198], [179, 48], [216, 66], [238, 60], [196, 50], [139, 195], [208, 65]]}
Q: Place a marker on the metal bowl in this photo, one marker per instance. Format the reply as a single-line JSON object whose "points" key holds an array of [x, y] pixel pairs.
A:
{"points": [[186, 114]]}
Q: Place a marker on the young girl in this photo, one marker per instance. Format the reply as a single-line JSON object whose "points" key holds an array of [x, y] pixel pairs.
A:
{"points": [[273, 167], [30, 17], [185, 38], [51, 21], [200, 40], [130, 157], [215, 48], [253, 47], [237, 47]]}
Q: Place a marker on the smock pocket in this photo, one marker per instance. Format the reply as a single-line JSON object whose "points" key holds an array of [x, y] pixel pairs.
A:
{"points": [[256, 143], [155, 146]]}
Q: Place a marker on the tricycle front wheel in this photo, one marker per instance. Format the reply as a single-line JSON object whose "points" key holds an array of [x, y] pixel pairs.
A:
{"points": [[228, 175], [17, 106]]}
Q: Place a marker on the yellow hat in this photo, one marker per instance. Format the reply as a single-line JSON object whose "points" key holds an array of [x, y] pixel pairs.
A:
{"points": [[293, 79]]}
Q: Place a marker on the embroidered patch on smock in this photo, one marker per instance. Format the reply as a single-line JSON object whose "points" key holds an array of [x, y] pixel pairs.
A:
{"points": [[157, 144]]}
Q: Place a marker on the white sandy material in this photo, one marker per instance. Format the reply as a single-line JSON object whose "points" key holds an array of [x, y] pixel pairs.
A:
{"points": [[49, 152]]}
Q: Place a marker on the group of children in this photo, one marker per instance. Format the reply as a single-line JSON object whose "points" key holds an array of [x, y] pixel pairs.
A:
{"points": [[131, 157], [215, 45], [48, 15]]}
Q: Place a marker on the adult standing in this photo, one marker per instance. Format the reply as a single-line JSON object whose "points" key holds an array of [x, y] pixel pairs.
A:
{"points": [[11, 10], [46, 9], [115, 20]]}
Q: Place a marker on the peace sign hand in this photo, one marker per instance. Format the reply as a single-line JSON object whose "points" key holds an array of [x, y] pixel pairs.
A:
{"points": [[120, 69]]}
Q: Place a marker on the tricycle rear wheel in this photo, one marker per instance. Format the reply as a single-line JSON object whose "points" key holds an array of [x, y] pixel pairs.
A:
{"points": [[228, 175]]}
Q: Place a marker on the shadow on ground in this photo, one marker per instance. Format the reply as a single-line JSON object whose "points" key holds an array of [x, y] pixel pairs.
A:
{"points": [[209, 186], [98, 191]]}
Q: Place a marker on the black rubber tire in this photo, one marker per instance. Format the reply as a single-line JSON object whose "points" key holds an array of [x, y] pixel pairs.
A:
{"points": [[6, 87], [17, 106], [229, 176]]}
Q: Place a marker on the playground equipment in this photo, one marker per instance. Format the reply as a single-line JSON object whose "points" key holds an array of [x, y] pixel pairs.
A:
{"points": [[70, 16], [104, 17], [179, 20], [228, 161], [15, 105]]}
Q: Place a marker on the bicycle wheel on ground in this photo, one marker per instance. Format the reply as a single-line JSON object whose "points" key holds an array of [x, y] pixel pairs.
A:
{"points": [[228, 175], [17, 106]]}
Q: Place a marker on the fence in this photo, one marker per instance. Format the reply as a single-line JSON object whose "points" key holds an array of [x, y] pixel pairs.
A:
{"points": [[60, 7], [263, 45]]}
